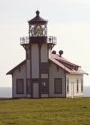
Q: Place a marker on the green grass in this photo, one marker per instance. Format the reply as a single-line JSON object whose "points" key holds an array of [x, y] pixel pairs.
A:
{"points": [[45, 111]]}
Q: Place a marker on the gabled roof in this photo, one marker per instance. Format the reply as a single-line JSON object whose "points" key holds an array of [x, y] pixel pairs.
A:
{"points": [[68, 66], [63, 63], [63, 60], [16, 67]]}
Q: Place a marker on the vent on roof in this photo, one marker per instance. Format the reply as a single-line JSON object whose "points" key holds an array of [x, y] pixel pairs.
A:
{"points": [[53, 52], [60, 53]]}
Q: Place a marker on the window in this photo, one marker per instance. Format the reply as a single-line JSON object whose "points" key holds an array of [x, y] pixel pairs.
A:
{"points": [[28, 86], [67, 85], [44, 86], [81, 85], [58, 86], [20, 86], [44, 68], [77, 86]]}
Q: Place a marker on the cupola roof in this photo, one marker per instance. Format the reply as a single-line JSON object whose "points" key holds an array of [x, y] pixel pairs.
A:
{"points": [[37, 19]]}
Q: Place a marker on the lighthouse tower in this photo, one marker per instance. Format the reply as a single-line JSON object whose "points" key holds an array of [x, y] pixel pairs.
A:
{"points": [[38, 47]]}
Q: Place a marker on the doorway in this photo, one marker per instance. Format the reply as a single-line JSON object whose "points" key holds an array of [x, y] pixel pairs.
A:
{"points": [[35, 90]]}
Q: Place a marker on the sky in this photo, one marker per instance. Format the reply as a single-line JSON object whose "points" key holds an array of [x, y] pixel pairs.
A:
{"points": [[68, 20]]}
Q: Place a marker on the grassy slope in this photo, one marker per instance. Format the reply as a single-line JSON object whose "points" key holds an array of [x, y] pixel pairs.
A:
{"points": [[45, 112]]}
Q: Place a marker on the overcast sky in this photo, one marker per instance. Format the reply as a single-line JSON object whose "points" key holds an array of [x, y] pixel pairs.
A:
{"points": [[68, 20]]}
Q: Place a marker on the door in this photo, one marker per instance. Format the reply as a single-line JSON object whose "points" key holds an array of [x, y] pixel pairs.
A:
{"points": [[35, 90]]}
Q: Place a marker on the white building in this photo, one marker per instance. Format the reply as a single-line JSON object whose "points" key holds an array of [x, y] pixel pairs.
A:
{"points": [[44, 73]]}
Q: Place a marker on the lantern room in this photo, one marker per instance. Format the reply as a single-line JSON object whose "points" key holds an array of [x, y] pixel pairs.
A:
{"points": [[37, 26], [38, 32]]}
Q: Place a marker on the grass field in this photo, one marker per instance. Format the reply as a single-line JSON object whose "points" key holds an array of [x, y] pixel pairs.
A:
{"points": [[45, 111]]}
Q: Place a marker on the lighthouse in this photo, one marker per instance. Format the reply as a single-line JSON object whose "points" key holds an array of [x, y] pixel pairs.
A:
{"points": [[44, 73], [38, 48]]}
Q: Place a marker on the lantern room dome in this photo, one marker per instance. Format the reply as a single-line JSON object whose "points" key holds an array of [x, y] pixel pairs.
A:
{"points": [[37, 19]]}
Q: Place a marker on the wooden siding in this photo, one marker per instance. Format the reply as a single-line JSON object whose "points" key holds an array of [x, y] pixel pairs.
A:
{"points": [[56, 72], [19, 74], [73, 85], [28, 68], [35, 60], [44, 53]]}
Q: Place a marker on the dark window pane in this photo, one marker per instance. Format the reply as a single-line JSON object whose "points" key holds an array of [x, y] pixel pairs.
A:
{"points": [[77, 85], [81, 85], [20, 86], [28, 86], [67, 85], [58, 86], [44, 86], [44, 68]]}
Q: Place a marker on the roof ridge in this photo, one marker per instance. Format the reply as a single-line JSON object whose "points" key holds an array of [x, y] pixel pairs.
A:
{"points": [[56, 56], [69, 70]]}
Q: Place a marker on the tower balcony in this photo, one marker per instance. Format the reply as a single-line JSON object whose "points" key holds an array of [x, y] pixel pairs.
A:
{"points": [[24, 40], [51, 40]]}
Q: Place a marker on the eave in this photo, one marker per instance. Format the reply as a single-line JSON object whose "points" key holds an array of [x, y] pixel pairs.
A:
{"points": [[65, 65], [16, 67]]}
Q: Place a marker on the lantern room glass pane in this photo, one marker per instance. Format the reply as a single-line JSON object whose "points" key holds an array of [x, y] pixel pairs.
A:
{"points": [[38, 30]]}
